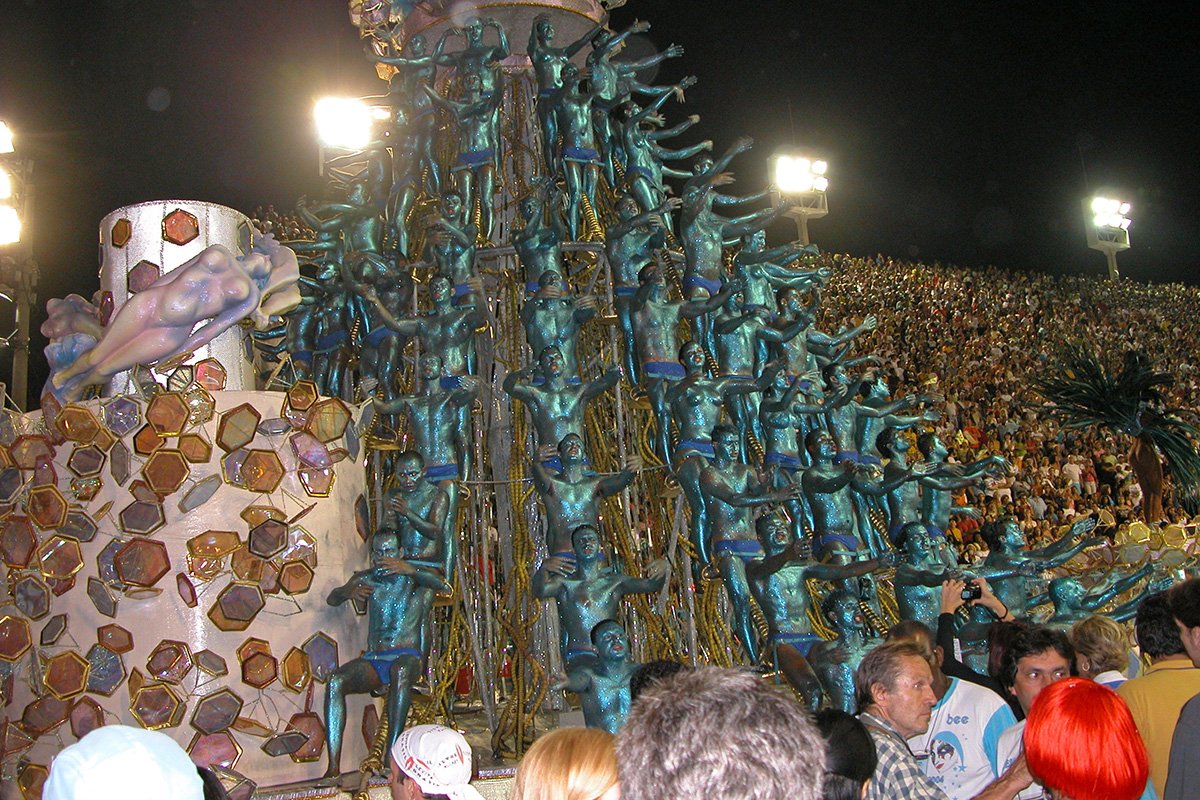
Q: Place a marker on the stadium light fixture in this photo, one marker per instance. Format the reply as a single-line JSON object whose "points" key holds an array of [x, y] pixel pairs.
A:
{"points": [[10, 225], [1107, 224], [343, 123], [6, 184], [6, 138], [804, 180]]}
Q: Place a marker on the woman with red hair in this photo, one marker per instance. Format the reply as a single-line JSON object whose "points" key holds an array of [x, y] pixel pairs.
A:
{"points": [[1081, 743]]}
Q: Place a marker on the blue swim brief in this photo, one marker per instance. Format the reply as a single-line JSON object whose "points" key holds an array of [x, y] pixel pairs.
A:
{"points": [[666, 370], [688, 447], [831, 538], [582, 154], [376, 337], [783, 460], [442, 472], [803, 642], [624, 290], [474, 158], [713, 287], [382, 660], [745, 549]]}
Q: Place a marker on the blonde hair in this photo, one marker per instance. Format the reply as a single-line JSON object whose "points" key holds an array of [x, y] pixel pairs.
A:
{"points": [[1103, 641], [567, 764]]}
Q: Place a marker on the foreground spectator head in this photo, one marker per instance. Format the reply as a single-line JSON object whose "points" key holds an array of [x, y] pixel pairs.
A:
{"points": [[722, 733], [850, 757], [117, 761], [569, 764], [1081, 743], [894, 683], [649, 673], [431, 761], [1184, 599], [1101, 645], [1036, 657], [1157, 634]]}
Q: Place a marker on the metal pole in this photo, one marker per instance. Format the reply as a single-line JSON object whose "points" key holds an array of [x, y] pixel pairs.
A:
{"points": [[802, 228], [1113, 273], [27, 275]]}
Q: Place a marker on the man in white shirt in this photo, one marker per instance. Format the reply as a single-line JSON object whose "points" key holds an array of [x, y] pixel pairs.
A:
{"points": [[960, 746]]}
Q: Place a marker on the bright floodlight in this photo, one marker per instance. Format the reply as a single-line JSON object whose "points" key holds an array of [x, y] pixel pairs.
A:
{"points": [[1109, 228], [1109, 213], [343, 122], [10, 225], [798, 175], [5, 185], [6, 137]]}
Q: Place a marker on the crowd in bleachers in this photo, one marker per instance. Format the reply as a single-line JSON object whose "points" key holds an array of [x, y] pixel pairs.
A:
{"points": [[978, 336]]}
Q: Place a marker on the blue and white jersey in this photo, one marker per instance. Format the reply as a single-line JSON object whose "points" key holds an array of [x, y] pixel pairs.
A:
{"points": [[960, 751]]}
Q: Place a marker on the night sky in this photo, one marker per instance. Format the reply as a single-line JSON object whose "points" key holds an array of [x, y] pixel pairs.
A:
{"points": [[960, 132]]}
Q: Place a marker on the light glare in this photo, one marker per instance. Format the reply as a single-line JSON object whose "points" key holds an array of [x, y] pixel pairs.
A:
{"points": [[343, 122], [5, 185], [10, 225], [6, 137], [797, 175]]}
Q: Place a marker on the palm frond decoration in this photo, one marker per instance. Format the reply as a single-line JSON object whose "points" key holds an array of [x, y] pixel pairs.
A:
{"points": [[1082, 390]]}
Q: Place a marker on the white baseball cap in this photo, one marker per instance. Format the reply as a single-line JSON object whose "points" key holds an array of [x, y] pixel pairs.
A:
{"points": [[120, 761], [437, 758]]}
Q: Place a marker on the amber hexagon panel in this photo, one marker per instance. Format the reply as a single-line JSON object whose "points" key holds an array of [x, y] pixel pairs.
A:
{"points": [[295, 577], [213, 544], [260, 670], [211, 375], [262, 471], [167, 414], [169, 661], [15, 638], [77, 424], [165, 471], [142, 276], [156, 706], [115, 638], [65, 675], [310, 725], [195, 449], [142, 562], [18, 542], [26, 450], [60, 558], [46, 506], [236, 607], [294, 672], [44, 715], [216, 712], [122, 232], [86, 715], [327, 419], [145, 442], [180, 227], [302, 395], [237, 427]]}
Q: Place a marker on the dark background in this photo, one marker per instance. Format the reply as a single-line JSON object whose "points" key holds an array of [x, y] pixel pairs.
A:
{"points": [[965, 133]]}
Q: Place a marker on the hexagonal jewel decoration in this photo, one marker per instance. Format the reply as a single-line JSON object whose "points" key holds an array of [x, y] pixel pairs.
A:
{"points": [[60, 558], [237, 605], [311, 725], [211, 375], [165, 471], [44, 474], [146, 440], [210, 663], [156, 706], [295, 577], [31, 778], [262, 471], [170, 661], [201, 405], [187, 592], [107, 670], [104, 440], [142, 491], [27, 449], [213, 544], [317, 482], [122, 232], [294, 672], [102, 597], [119, 464], [237, 427], [18, 542], [142, 562], [269, 538], [142, 518], [322, 655], [302, 546], [204, 569], [86, 715], [142, 276], [252, 727], [274, 427], [77, 423], [194, 448], [11, 483], [86, 460], [269, 582], [260, 670], [310, 451], [122, 415], [115, 638], [251, 646], [180, 227], [13, 740], [216, 712], [15, 638], [66, 674], [181, 378], [302, 395], [44, 715], [231, 468], [46, 507], [79, 526], [86, 489], [285, 743], [255, 515], [105, 567], [31, 596], [200, 494], [53, 630], [167, 414], [246, 566], [327, 419], [211, 750]]}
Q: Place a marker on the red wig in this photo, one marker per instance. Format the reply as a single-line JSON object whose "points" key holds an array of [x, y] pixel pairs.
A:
{"points": [[1080, 740]]}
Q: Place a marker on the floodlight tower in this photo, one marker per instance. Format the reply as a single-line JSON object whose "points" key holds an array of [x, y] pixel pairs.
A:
{"points": [[18, 271], [804, 180], [1107, 224]]}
